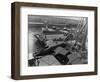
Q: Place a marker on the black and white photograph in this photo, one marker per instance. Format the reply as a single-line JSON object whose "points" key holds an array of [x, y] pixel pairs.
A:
{"points": [[53, 40], [57, 40]]}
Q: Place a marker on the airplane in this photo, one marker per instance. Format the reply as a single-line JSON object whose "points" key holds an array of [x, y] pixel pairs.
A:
{"points": [[59, 51]]}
